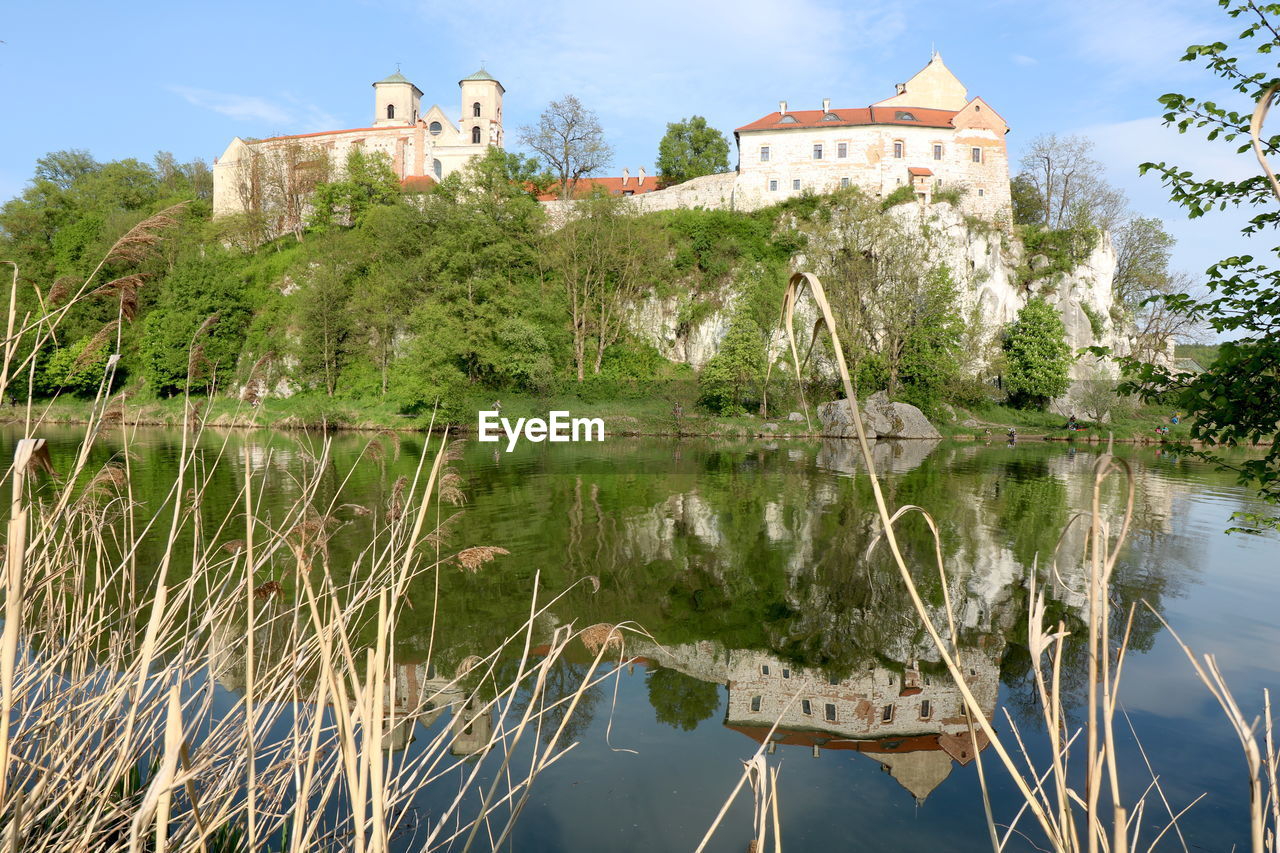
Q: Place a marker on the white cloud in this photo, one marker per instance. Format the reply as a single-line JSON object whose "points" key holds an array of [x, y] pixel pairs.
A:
{"points": [[1020, 59], [291, 113]]}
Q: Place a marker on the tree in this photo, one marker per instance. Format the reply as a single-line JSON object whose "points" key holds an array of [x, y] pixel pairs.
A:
{"points": [[1142, 249], [894, 303], [1068, 186], [691, 149], [325, 326], [732, 379], [602, 258], [570, 141], [368, 180], [194, 334], [1237, 398], [1037, 355]]}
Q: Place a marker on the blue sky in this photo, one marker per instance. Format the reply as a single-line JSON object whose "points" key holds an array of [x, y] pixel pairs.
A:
{"points": [[130, 79]]}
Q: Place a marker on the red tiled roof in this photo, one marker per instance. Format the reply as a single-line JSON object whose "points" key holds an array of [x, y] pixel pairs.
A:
{"points": [[852, 116], [957, 746], [335, 132], [417, 183], [613, 186], [919, 171]]}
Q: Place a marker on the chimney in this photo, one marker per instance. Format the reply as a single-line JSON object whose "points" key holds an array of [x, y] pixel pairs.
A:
{"points": [[782, 107], [640, 176], [626, 176], [826, 105]]}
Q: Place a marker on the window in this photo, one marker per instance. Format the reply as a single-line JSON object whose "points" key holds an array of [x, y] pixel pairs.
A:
{"points": [[628, 192], [475, 109], [806, 707], [764, 669], [434, 128], [786, 673], [817, 152], [832, 680], [897, 150], [842, 150], [831, 713], [926, 709], [979, 192], [900, 115], [788, 119], [755, 704], [764, 153], [937, 152], [391, 111], [795, 185], [886, 714], [475, 135], [438, 168], [844, 183], [976, 153], [831, 117], [773, 186]]}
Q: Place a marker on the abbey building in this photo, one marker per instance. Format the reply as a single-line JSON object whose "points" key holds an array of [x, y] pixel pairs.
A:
{"points": [[928, 137], [423, 146]]}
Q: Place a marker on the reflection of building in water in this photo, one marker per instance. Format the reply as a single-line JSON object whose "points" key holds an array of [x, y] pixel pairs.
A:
{"points": [[419, 694], [911, 722]]}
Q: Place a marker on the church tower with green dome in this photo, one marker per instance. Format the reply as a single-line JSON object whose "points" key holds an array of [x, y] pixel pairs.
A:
{"points": [[481, 117], [396, 102]]}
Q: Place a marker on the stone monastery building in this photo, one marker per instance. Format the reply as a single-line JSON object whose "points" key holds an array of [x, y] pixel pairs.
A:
{"points": [[930, 136], [423, 147]]}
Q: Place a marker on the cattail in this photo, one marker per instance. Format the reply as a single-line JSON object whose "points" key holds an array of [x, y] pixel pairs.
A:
{"points": [[125, 289], [395, 506], [62, 290], [471, 559], [450, 491], [140, 241], [267, 590], [94, 348]]}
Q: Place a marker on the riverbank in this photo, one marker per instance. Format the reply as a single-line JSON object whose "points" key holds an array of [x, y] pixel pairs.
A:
{"points": [[652, 416]]}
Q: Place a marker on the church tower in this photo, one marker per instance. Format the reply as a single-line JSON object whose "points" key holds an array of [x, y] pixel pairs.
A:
{"points": [[396, 101], [481, 122]]}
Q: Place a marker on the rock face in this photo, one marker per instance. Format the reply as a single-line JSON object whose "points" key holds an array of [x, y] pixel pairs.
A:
{"points": [[881, 418]]}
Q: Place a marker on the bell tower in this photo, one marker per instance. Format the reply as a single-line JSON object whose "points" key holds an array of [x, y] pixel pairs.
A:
{"points": [[396, 101], [481, 122]]}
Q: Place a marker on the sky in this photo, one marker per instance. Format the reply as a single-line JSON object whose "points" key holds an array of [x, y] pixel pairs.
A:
{"points": [[128, 80]]}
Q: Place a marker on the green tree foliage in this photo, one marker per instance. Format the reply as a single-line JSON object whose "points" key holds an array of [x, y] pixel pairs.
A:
{"points": [[77, 369], [691, 149], [1037, 356], [681, 701], [1237, 399], [196, 331], [368, 181], [732, 380]]}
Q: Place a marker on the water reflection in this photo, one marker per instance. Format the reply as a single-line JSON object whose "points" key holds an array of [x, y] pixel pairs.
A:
{"points": [[754, 569]]}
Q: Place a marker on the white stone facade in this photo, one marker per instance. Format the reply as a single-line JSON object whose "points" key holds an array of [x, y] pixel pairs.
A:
{"points": [[427, 146]]}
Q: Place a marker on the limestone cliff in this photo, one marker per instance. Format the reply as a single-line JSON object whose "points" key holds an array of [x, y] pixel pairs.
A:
{"points": [[996, 273]]}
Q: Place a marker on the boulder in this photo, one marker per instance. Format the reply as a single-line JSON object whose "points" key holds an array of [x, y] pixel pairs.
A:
{"points": [[769, 427], [881, 418], [795, 416]]}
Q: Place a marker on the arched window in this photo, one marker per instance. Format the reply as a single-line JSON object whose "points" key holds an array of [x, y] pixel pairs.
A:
{"points": [[434, 128], [391, 111], [475, 109], [475, 135], [437, 168]]}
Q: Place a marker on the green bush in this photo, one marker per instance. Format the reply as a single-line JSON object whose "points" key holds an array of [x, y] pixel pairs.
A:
{"points": [[901, 195]]}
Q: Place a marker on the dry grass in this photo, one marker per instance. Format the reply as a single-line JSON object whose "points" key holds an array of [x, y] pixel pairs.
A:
{"points": [[113, 735]]}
